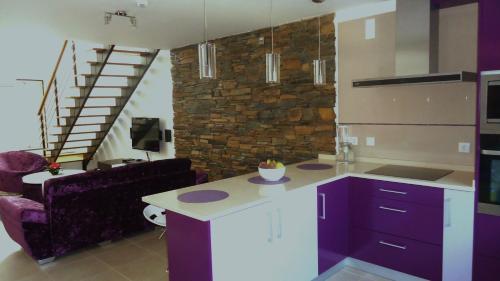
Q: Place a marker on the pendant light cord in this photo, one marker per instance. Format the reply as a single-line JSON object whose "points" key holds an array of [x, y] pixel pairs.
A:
{"points": [[272, 28], [319, 37], [205, 19]]}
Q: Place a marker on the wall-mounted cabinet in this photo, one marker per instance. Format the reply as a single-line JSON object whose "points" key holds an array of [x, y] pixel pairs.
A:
{"points": [[489, 37]]}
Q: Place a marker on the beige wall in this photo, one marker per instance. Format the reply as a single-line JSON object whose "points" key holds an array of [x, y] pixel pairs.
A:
{"points": [[432, 119]]}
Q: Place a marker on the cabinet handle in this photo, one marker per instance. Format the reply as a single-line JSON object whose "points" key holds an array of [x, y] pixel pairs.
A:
{"points": [[447, 212], [392, 245], [392, 209], [393, 191], [490, 152], [280, 229], [271, 234], [323, 207]]}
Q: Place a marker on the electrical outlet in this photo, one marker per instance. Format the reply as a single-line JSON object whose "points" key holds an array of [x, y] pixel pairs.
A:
{"points": [[370, 141], [353, 140], [464, 147], [370, 29]]}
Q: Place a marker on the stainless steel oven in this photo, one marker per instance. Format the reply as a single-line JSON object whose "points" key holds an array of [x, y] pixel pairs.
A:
{"points": [[489, 175], [490, 102]]}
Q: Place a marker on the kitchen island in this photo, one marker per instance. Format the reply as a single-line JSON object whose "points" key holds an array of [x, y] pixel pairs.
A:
{"points": [[317, 220]]}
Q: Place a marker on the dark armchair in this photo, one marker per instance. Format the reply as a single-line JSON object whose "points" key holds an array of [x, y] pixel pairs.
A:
{"points": [[16, 164]]}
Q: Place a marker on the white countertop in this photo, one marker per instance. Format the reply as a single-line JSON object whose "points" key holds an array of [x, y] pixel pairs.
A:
{"points": [[243, 194]]}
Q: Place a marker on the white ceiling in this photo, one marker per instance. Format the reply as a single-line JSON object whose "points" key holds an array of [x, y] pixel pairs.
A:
{"points": [[163, 24]]}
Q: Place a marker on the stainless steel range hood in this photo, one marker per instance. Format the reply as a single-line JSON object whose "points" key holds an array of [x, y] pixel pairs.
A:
{"points": [[417, 45]]}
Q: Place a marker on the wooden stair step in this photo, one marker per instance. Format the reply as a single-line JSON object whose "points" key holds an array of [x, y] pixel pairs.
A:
{"points": [[77, 133], [75, 140], [94, 115], [98, 97], [141, 53], [83, 125], [70, 157], [90, 106], [118, 63], [92, 124], [76, 147], [111, 75], [97, 115], [107, 87]]}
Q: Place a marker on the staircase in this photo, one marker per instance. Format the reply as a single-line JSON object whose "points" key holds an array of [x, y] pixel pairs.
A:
{"points": [[78, 110]]}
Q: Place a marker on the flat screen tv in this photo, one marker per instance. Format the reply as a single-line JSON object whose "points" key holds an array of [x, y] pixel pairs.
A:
{"points": [[146, 134]]}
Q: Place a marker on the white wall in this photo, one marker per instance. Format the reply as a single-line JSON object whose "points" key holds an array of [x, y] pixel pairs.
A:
{"points": [[19, 125], [27, 52], [153, 98]]}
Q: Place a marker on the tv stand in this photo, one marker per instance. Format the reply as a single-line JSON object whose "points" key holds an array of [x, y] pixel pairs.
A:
{"points": [[108, 164]]}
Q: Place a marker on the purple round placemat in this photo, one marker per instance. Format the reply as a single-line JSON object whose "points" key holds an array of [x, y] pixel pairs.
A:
{"points": [[314, 166], [261, 180], [202, 196]]}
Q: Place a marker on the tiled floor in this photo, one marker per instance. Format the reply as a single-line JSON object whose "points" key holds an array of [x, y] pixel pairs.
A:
{"points": [[353, 274], [138, 258]]}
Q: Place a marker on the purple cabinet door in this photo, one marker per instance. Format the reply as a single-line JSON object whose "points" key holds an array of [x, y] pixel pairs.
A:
{"points": [[424, 195], [405, 255], [486, 268], [488, 235], [419, 222], [333, 224], [189, 248], [489, 37]]}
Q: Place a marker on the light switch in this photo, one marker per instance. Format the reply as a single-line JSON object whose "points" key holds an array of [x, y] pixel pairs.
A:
{"points": [[464, 147], [369, 29], [370, 141]]}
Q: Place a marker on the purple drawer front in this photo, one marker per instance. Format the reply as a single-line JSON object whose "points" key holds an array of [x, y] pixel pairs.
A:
{"points": [[430, 196], [420, 222], [401, 254], [486, 269], [488, 235]]}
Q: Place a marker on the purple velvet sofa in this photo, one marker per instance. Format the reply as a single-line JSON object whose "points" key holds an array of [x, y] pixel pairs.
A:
{"points": [[86, 209], [16, 164]]}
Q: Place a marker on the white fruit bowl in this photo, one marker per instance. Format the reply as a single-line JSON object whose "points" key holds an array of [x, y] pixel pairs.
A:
{"points": [[272, 174]]}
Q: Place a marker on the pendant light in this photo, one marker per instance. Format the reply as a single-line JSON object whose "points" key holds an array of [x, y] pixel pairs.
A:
{"points": [[206, 53], [319, 65], [272, 59]]}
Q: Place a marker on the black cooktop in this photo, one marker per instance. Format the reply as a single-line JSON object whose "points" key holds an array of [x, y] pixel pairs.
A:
{"points": [[410, 172]]}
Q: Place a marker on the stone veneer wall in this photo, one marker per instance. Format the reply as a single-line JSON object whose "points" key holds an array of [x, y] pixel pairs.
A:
{"points": [[228, 125]]}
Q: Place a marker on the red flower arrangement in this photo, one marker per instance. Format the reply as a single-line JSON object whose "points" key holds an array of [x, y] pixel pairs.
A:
{"points": [[54, 168]]}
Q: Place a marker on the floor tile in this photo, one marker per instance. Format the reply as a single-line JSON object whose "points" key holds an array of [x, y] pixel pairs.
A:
{"points": [[146, 269], [125, 253], [344, 275], [107, 275], [353, 274], [155, 245], [139, 237], [36, 277], [76, 271], [18, 265]]}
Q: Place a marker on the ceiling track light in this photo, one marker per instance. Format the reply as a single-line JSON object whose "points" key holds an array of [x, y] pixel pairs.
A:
{"points": [[273, 60], [119, 13], [319, 65], [207, 53]]}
